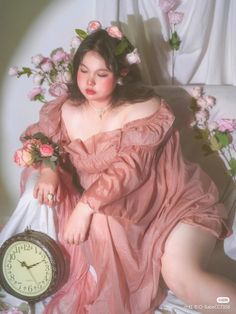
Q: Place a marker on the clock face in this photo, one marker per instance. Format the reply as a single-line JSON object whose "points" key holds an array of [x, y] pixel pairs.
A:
{"points": [[27, 268]]}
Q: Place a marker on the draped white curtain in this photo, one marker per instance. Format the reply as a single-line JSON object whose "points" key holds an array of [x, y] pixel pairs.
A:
{"points": [[207, 54]]}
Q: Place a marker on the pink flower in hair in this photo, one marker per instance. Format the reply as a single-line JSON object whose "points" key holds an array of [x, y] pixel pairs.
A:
{"points": [[197, 91], [37, 59], [59, 55], [93, 26], [114, 31], [211, 101], [46, 65], [167, 5], [13, 71], [175, 17], [75, 42]]}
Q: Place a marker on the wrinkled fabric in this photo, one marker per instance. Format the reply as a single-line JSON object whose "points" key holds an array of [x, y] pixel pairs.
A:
{"points": [[139, 186]]}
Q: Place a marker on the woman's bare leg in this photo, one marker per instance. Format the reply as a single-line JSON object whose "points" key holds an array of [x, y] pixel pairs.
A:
{"points": [[187, 251]]}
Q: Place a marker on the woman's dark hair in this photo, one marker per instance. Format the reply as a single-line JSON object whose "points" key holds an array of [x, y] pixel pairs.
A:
{"points": [[132, 89]]}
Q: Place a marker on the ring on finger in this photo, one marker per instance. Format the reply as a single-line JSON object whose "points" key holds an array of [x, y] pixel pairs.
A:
{"points": [[50, 196]]}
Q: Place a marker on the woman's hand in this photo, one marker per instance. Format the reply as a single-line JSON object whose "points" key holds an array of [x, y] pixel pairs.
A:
{"points": [[78, 224], [46, 189]]}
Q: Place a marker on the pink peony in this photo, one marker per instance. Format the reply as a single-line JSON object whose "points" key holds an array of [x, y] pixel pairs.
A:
{"points": [[46, 150], [197, 91], [58, 89], [114, 31], [226, 125], [46, 65], [75, 42], [37, 59], [133, 57], [23, 158], [93, 26], [13, 71], [175, 17], [167, 5], [35, 92]]}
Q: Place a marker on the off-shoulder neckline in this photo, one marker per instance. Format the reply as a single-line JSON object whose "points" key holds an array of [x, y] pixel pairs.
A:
{"points": [[124, 127]]}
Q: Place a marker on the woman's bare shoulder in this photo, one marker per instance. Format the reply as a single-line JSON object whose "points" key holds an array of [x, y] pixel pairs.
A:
{"points": [[69, 107], [143, 109]]}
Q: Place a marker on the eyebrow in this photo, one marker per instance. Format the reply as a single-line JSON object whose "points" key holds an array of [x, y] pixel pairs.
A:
{"points": [[102, 69]]}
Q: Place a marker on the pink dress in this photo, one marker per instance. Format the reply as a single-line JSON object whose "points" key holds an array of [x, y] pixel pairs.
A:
{"points": [[140, 187]]}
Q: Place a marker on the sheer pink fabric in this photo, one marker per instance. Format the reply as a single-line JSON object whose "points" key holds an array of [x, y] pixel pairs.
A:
{"points": [[140, 187]]}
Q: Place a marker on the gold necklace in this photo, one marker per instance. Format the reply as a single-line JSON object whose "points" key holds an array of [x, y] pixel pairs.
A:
{"points": [[100, 111]]}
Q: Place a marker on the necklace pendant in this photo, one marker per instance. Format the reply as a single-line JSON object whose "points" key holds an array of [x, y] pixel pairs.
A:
{"points": [[100, 115]]}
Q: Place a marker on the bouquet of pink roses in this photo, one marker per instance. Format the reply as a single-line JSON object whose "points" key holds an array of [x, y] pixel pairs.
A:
{"points": [[38, 149]]}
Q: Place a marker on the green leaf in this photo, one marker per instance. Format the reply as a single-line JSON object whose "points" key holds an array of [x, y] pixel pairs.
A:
{"points": [[25, 71], [232, 165], [223, 138], [175, 41], [123, 44], [81, 33], [214, 144], [53, 158], [49, 163]]}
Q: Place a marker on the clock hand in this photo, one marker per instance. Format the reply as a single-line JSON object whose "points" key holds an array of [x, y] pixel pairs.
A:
{"points": [[30, 266], [31, 274], [23, 264]]}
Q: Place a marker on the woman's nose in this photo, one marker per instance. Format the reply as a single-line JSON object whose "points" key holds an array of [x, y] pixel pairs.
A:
{"points": [[91, 81]]}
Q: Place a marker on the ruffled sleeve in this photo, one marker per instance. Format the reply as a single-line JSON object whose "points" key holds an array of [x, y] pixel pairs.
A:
{"points": [[141, 144], [50, 122]]}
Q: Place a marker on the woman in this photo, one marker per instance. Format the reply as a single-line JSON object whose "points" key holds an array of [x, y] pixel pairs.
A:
{"points": [[145, 218]]}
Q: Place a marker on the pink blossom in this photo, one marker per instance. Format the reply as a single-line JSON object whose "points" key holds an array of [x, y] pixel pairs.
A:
{"points": [[75, 42], [211, 101], [23, 157], [13, 71], [58, 89], [59, 55], [175, 17], [46, 150], [201, 118], [133, 57], [93, 26], [46, 65], [35, 92], [29, 144], [202, 103], [167, 5], [37, 59], [114, 31], [197, 91], [226, 125], [37, 79], [12, 310]]}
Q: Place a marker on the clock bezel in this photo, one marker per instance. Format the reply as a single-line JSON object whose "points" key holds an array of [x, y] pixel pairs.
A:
{"points": [[55, 255]]}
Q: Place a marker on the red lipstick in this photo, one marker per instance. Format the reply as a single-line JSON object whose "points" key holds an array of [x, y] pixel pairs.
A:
{"points": [[90, 91]]}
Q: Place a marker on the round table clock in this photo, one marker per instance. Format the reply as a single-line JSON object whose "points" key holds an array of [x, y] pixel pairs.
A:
{"points": [[32, 266]]}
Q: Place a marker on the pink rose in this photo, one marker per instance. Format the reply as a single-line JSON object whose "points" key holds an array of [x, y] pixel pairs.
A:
{"points": [[226, 125], [58, 89], [175, 17], [197, 91], [37, 59], [13, 71], [23, 158], [46, 150], [93, 26], [35, 92], [114, 31], [133, 57], [167, 5]]}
